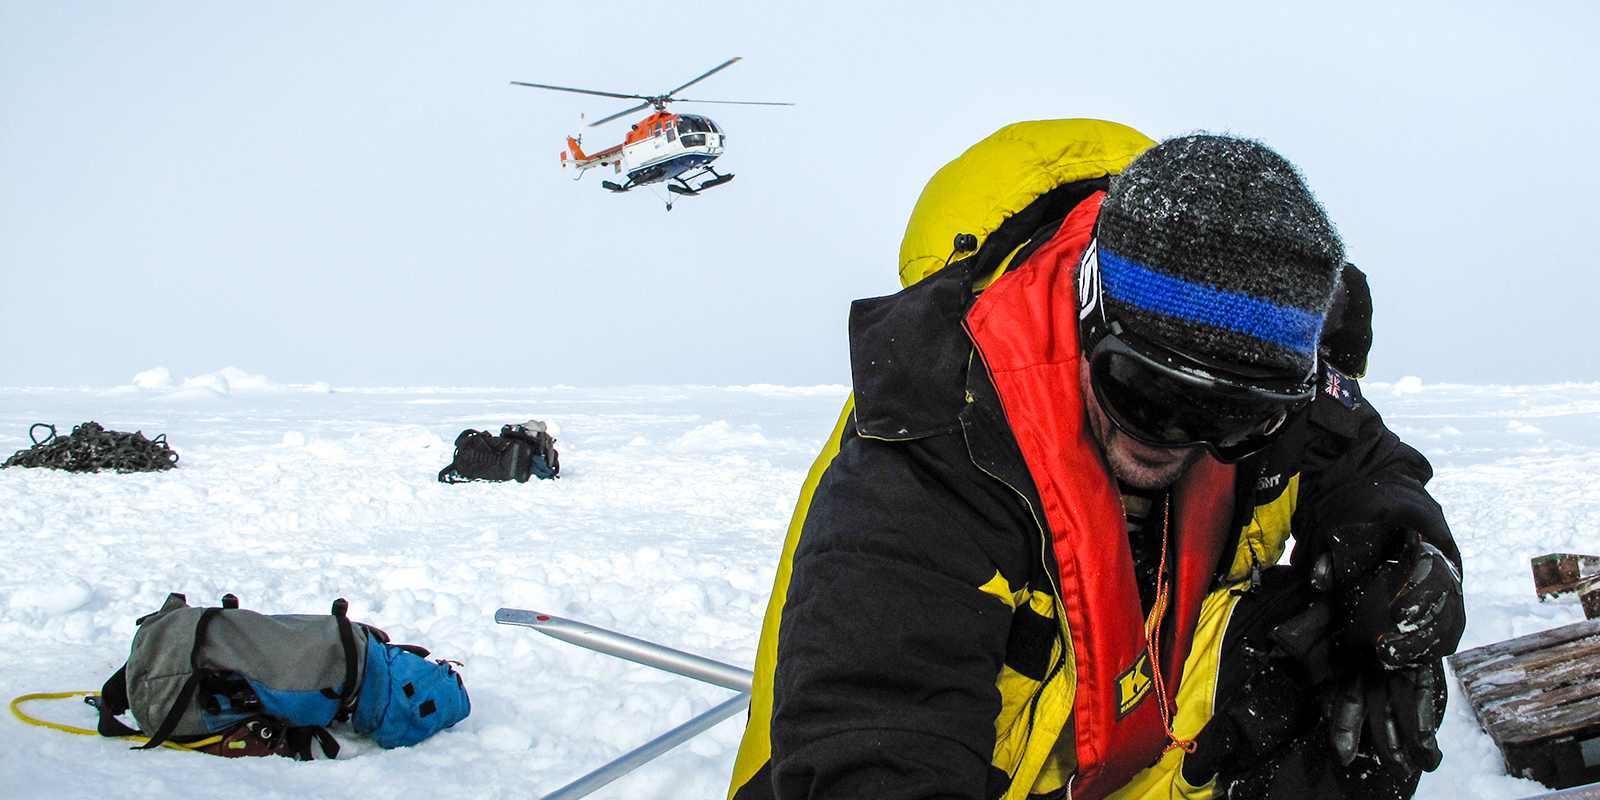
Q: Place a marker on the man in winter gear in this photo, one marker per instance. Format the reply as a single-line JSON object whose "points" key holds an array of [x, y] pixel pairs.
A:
{"points": [[1036, 558]]}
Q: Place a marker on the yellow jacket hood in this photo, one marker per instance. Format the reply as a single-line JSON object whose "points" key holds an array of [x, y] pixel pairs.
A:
{"points": [[1001, 175]]}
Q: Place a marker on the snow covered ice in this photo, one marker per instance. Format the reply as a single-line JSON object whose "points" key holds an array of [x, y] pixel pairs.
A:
{"points": [[666, 524]]}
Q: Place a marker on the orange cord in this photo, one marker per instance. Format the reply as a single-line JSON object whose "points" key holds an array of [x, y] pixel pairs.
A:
{"points": [[1152, 636]]}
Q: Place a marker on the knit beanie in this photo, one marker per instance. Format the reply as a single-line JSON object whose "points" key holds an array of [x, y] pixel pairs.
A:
{"points": [[1214, 247]]}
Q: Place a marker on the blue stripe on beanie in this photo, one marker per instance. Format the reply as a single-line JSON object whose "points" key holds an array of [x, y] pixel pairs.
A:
{"points": [[1132, 283]]}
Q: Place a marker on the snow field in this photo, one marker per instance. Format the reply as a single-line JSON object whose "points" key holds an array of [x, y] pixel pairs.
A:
{"points": [[666, 525]]}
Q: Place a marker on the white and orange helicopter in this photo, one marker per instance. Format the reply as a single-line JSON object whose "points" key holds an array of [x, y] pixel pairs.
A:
{"points": [[674, 148]]}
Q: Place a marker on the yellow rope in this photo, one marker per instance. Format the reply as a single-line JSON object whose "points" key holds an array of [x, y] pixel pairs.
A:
{"points": [[15, 709]]}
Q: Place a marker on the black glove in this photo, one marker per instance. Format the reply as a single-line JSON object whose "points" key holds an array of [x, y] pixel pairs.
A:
{"points": [[1392, 608], [1403, 606], [1399, 709]]}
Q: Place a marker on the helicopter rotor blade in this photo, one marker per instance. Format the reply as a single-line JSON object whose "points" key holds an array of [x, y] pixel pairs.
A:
{"points": [[581, 91], [640, 107], [659, 101], [731, 102], [724, 65]]}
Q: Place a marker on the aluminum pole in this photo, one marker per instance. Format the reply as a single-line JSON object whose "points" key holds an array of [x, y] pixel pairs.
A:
{"points": [[655, 747], [638, 651]]}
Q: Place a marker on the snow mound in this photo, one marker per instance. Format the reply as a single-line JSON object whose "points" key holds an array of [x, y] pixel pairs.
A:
{"points": [[54, 598], [158, 378], [719, 435]]}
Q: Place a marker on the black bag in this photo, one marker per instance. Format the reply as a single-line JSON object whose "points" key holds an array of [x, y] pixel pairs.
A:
{"points": [[518, 453]]}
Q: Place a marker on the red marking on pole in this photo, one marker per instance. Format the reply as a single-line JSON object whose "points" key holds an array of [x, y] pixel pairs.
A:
{"points": [[542, 618]]}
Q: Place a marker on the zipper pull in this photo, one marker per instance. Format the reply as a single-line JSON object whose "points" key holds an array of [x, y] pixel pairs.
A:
{"points": [[1255, 572]]}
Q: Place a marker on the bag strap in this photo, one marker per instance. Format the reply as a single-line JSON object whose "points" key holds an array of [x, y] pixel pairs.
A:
{"points": [[347, 637], [186, 694], [113, 700], [299, 741], [450, 474]]}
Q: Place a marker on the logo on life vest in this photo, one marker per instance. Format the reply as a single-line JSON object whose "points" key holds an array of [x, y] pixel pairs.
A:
{"points": [[1134, 685], [1089, 280]]}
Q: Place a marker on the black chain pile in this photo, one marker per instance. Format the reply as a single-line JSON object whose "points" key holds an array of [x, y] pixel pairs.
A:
{"points": [[92, 448]]}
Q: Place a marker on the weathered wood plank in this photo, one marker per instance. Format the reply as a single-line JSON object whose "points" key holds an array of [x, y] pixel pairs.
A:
{"points": [[1576, 663], [1534, 641], [1538, 698]]}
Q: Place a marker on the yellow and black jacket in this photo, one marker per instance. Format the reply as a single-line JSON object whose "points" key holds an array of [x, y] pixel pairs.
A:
{"points": [[916, 644]]}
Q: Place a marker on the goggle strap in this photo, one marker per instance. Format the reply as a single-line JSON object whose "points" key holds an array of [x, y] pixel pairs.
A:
{"points": [[1093, 324]]}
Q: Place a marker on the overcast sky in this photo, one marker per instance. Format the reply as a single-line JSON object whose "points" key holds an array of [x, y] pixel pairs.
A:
{"points": [[354, 192]]}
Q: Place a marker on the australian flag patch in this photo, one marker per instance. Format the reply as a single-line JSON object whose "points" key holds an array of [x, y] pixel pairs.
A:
{"points": [[1340, 387]]}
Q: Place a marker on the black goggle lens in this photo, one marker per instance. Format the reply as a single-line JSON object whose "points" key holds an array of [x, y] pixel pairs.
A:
{"points": [[1167, 408]]}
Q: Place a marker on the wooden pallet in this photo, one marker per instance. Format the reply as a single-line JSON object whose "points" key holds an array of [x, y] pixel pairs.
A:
{"points": [[1538, 698], [1559, 573]]}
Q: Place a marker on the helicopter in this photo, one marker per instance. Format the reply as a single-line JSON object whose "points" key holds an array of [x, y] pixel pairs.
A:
{"points": [[676, 149]]}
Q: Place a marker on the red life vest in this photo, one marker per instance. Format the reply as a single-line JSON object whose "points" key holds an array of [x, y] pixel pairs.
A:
{"points": [[1025, 329]]}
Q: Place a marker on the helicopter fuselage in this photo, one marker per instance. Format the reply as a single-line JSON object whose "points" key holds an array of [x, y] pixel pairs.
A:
{"points": [[676, 149], [660, 147]]}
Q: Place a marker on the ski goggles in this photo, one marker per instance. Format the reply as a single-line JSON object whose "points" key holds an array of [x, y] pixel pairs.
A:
{"points": [[1167, 399]]}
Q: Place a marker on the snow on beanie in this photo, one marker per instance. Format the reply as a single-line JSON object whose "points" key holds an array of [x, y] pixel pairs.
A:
{"points": [[1213, 246]]}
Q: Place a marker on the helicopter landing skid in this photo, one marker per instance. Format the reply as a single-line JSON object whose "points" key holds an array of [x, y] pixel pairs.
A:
{"points": [[683, 188], [686, 189], [618, 189]]}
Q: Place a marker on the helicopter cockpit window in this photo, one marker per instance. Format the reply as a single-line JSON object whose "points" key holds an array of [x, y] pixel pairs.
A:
{"points": [[690, 123]]}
